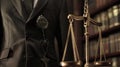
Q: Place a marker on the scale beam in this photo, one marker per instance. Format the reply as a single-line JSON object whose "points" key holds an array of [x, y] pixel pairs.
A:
{"points": [[74, 17], [80, 18]]}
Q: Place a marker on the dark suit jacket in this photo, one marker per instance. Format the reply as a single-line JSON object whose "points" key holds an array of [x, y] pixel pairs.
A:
{"points": [[22, 36]]}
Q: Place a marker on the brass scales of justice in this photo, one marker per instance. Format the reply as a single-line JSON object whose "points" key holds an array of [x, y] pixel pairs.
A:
{"points": [[77, 62]]}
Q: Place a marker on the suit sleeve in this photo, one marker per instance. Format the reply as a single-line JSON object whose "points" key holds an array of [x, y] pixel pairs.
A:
{"points": [[1, 28]]}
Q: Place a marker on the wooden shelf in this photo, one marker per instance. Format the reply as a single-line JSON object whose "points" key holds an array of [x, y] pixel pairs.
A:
{"points": [[103, 7], [106, 32]]}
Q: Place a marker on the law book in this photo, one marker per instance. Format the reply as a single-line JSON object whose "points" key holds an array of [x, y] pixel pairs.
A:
{"points": [[110, 17], [93, 48], [98, 19], [104, 20], [92, 4], [106, 45], [118, 42], [112, 45], [119, 13], [115, 15], [91, 29]]}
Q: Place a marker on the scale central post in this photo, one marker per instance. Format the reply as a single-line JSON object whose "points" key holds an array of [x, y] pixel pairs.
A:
{"points": [[86, 43], [86, 24]]}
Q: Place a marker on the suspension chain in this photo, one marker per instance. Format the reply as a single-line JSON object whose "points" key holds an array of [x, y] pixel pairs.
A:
{"points": [[86, 10]]}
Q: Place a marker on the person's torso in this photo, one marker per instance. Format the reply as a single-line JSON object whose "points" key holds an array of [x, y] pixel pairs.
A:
{"points": [[15, 26]]}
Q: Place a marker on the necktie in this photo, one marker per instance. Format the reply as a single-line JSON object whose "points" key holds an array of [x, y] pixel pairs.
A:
{"points": [[28, 6]]}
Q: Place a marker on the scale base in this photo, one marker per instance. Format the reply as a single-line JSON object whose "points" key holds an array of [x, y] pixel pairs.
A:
{"points": [[102, 63], [70, 64], [88, 65]]}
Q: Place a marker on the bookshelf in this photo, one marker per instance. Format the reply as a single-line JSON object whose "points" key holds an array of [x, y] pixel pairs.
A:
{"points": [[108, 13], [101, 5], [106, 32]]}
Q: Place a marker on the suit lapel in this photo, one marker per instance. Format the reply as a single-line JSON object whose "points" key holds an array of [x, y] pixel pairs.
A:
{"points": [[38, 8], [18, 6]]}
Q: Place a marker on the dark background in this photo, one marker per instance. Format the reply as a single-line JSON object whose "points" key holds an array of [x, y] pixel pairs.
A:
{"points": [[1, 32]]}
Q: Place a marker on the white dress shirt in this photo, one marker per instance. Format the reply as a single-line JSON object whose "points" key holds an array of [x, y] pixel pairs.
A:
{"points": [[35, 3]]}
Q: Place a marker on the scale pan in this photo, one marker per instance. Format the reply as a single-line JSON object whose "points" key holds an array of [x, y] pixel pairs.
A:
{"points": [[70, 64], [102, 63]]}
